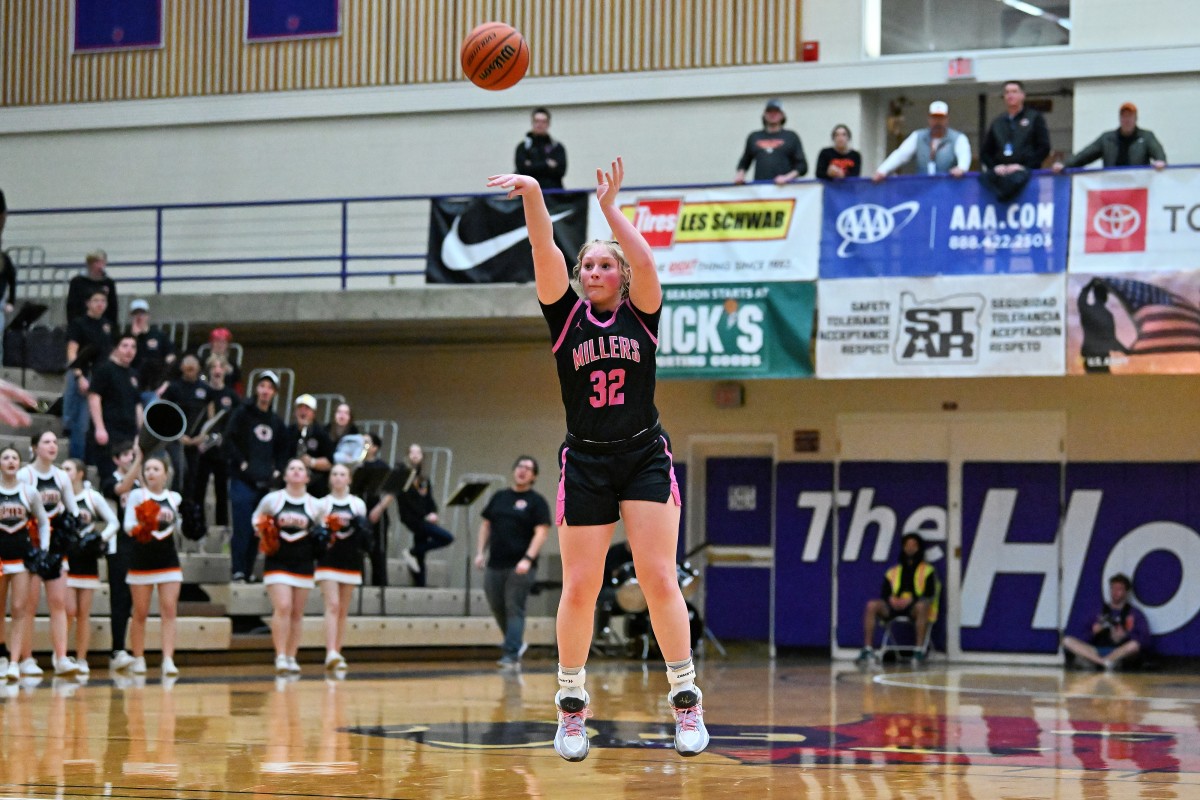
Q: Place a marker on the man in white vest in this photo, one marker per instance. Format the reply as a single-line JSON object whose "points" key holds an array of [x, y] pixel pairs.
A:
{"points": [[938, 149]]}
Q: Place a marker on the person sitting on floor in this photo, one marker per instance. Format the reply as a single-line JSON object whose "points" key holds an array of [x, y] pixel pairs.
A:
{"points": [[1119, 632]]}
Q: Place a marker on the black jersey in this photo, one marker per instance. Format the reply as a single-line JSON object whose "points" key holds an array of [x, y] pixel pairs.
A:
{"points": [[606, 366], [293, 519], [15, 512]]}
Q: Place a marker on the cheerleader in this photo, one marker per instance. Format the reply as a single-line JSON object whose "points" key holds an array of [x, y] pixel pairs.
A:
{"points": [[339, 569], [83, 570], [283, 523], [19, 504], [152, 519], [58, 499]]}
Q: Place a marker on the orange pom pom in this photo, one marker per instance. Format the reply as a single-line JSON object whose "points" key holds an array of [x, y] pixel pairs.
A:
{"points": [[335, 523], [147, 521], [268, 536], [35, 533]]}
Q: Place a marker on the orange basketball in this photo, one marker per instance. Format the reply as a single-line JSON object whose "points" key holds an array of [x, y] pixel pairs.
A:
{"points": [[495, 56]]}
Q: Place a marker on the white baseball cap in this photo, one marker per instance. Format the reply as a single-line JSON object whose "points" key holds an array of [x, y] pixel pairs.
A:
{"points": [[138, 305], [939, 108], [307, 400]]}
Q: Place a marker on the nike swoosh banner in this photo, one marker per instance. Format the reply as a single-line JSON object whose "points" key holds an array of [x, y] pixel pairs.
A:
{"points": [[485, 240], [917, 226]]}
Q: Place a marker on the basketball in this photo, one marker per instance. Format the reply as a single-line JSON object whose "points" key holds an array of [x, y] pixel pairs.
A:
{"points": [[495, 56]]}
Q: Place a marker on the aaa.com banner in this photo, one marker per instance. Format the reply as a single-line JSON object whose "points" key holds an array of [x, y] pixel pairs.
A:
{"points": [[1135, 220], [942, 226], [941, 327], [736, 331], [740, 233]]}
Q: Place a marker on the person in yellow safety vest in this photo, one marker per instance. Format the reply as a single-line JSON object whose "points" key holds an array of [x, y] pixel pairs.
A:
{"points": [[910, 589]]}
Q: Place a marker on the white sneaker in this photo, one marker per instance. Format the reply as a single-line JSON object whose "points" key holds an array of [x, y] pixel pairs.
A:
{"points": [[120, 660], [81, 666], [571, 740], [64, 666], [334, 660], [281, 664], [3, 665], [691, 737], [169, 670], [293, 665], [138, 667], [30, 668], [13, 673], [410, 561]]}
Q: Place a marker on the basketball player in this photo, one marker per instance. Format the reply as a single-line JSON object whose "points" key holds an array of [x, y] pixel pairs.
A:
{"points": [[19, 503], [288, 572], [58, 499], [616, 461], [83, 571], [340, 568], [154, 561]]}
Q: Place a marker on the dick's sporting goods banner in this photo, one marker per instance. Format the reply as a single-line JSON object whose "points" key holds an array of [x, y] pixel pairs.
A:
{"points": [[740, 233], [736, 331], [1135, 221], [485, 239], [941, 226], [1133, 323], [941, 327]]}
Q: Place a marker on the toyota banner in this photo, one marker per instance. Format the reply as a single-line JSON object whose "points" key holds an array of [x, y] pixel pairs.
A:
{"points": [[920, 225]]}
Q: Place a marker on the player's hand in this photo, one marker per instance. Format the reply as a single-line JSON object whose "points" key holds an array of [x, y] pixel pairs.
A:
{"points": [[957, 172], [517, 185], [608, 184]]}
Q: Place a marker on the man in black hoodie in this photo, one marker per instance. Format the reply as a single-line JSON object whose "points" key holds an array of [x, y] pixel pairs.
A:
{"points": [[539, 156], [256, 446], [910, 589]]}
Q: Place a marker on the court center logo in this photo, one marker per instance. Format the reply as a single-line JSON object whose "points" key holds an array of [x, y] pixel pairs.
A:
{"points": [[942, 331], [868, 223], [1116, 221]]}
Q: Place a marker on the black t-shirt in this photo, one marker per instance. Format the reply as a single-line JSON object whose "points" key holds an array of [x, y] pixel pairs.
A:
{"points": [[606, 367], [514, 516], [773, 153], [82, 287], [94, 337], [153, 349], [119, 398], [314, 441], [192, 397], [850, 162]]}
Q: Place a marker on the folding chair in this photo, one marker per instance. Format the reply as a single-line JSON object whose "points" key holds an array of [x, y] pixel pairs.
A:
{"points": [[905, 644]]}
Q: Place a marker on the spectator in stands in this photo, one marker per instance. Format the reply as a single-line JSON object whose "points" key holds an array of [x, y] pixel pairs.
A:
{"points": [[515, 526], [343, 423], [155, 351], [114, 400], [8, 278], [222, 400], [83, 576], [1119, 632], [1127, 146], [220, 343], [1016, 143], [83, 286], [3, 213], [116, 486], [378, 504], [775, 152], [256, 447], [838, 162], [910, 589], [418, 512], [90, 340], [309, 441], [191, 395], [540, 156], [938, 148]]}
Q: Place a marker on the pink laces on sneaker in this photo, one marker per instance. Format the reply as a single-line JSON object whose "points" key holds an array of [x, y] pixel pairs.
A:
{"points": [[572, 722], [688, 719]]}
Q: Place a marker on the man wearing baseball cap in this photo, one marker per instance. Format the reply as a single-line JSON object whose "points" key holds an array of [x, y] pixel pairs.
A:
{"points": [[938, 148], [776, 153], [1127, 146], [155, 351], [257, 448], [309, 442]]}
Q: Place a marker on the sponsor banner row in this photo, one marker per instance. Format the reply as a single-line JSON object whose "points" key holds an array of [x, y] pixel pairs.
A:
{"points": [[958, 326], [1039, 542], [736, 330], [1135, 221]]}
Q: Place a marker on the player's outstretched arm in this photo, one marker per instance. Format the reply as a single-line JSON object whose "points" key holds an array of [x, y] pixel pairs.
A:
{"points": [[644, 290], [549, 266]]}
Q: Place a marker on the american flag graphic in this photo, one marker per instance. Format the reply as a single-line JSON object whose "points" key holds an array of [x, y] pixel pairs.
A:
{"points": [[1165, 322]]}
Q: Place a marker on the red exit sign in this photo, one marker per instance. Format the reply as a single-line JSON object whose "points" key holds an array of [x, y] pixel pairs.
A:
{"points": [[960, 69]]}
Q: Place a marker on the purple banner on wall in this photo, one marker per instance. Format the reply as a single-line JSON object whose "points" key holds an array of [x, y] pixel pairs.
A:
{"points": [[804, 554], [103, 25], [271, 20], [879, 502]]}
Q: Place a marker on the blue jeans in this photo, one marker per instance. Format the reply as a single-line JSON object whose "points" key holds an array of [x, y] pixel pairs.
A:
{"points": [[506, 595], [243, 545], [76, 420], [426, 536]]}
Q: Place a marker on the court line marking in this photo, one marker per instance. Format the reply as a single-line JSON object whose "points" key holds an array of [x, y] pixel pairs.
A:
{"points": [[888, 680]]}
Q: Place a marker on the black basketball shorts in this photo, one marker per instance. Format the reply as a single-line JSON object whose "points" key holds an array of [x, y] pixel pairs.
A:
{"points": [[591, 485]]}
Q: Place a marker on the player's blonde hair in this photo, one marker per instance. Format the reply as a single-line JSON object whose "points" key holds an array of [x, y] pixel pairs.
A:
{"points": [[615, 251]]}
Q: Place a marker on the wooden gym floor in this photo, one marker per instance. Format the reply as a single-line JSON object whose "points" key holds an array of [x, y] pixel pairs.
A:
{"points": [[455, 729]]}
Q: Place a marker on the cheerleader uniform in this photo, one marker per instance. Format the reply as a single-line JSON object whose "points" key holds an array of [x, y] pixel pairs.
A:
{"points": [[292, 563], [342, 562], [17, 507], [157, 560], [57, 495], [83, 571]]}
